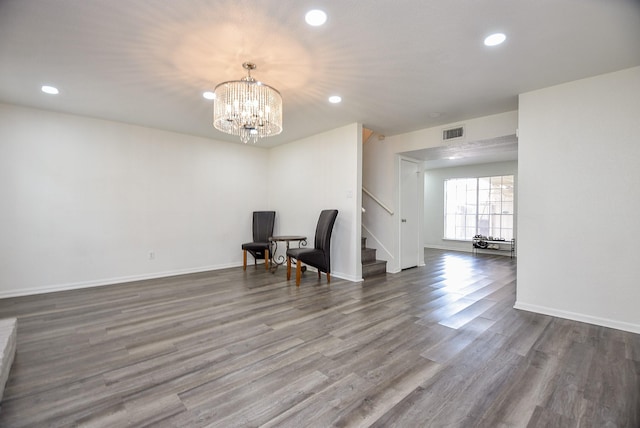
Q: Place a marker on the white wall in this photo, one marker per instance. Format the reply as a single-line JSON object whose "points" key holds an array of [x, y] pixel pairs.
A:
{"points": [[380, 175], [579, 199], [316, 173], [477, 129], [85, 201], [434, 200]]}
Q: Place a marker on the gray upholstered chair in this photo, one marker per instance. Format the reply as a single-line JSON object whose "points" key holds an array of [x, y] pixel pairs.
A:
{"points": [[262, 230], [320, 255]]}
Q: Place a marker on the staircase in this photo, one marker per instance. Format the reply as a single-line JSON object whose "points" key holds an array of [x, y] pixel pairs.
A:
{"points": [[8, 341], [371, 266]]}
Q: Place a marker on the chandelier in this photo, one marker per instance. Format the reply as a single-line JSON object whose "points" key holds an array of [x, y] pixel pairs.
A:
{"points": [[247, 108]]}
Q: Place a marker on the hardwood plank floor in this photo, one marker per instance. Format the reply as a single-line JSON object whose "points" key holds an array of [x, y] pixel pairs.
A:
{"points": [[433, 346]]}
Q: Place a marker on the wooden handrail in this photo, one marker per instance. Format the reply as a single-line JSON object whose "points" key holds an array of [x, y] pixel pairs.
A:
{"points": [[386, 208]]}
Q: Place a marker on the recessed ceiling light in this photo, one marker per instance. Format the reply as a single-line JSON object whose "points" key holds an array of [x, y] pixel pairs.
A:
{"points": [[209, 95], [335, 99], [50, 90], [315, 17], [495, 39]]}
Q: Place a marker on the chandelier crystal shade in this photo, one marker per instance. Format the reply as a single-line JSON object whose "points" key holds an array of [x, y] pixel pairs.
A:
{"points": [[247, 108]]}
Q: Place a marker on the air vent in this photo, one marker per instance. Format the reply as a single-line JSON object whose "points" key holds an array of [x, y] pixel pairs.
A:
{"points": [[453, 133]]}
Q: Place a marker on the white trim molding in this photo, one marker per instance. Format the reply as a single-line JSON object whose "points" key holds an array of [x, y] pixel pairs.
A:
{"points": [[604, 322], [109, 281]]}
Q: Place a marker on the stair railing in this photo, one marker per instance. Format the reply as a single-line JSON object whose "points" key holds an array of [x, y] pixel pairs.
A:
{"points": [[379, 244], [378, 201]]}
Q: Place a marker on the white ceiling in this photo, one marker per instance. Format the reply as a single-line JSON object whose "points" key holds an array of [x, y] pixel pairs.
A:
{"points": [[451, 154], [399, 65]]}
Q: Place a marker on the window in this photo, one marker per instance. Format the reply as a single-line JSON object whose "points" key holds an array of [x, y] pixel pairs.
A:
{"points": [[478, 206]]}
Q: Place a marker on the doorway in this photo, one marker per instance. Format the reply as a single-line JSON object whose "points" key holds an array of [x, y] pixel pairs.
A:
{"points": [[409, 219]]}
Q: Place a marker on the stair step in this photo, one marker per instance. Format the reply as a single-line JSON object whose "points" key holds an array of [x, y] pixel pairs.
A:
{"points": [[8, 342], [371, 266], [377, 267], [368, 255]]}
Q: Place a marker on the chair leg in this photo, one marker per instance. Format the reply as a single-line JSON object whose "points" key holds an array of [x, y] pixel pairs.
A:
{"points": [[266, 259], [288, 268], [328, 277], [298, 272], [244, 259], [318, 274]]}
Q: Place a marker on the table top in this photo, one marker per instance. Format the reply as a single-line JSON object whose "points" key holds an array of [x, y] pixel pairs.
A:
{"points": [[494, 240], [288, 238]]}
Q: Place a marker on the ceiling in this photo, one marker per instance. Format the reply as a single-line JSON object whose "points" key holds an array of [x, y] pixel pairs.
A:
{"points": [[499, 149], [399, 65]]}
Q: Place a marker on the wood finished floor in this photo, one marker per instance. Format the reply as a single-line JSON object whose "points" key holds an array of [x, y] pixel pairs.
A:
{"points": [[435, 346]]}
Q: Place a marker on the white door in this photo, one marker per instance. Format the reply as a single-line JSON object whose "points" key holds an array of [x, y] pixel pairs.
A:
{"points": [[409, 226]]}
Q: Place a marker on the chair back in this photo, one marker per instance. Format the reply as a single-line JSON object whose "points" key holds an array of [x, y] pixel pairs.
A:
{"points": [[263, 225], [323, 231]]}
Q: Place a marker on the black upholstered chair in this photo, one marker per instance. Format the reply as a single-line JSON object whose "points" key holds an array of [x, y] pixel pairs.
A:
{"points": [[320, 255], [262, 230]]}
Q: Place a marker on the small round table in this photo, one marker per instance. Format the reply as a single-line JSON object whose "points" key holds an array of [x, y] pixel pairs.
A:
{"points": [[277, 261]]}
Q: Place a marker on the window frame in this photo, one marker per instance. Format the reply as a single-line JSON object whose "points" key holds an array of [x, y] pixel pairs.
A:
{"points": [[491, 212]]}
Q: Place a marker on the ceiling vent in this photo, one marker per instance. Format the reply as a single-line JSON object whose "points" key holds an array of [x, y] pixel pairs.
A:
{"points": [[456, 133]]}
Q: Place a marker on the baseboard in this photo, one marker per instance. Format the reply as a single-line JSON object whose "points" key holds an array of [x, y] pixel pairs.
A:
{"points": [[444, 247], [110, 281], [604, 322], [506, 252], [350, 278], [132, 278]]}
